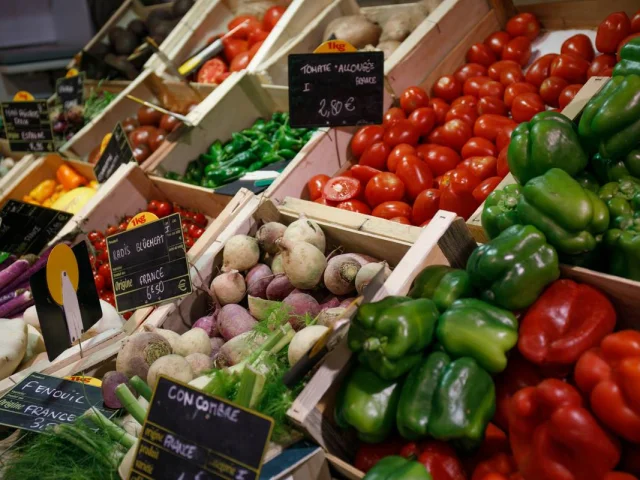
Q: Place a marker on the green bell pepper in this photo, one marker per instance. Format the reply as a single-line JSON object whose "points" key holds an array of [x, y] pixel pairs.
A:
{"points": [[396, 467], [476, 329], [389, 336], [622, 197], [611, 119], [512, 269], [608, 170], [623, 245], [499, 211], [442, 284], [626, 67], [568, 215], [629, 63], [367, 403], [548, 140], [588, 181]]}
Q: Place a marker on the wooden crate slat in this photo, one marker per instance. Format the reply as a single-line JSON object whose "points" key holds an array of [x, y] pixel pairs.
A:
{"points": [[577, 13]]}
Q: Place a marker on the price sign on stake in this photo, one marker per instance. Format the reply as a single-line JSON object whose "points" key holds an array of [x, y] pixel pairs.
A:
{"points": [[336, 89], [70, 91], [191, 435], [28, 126], [149, 264], [117, 152]]}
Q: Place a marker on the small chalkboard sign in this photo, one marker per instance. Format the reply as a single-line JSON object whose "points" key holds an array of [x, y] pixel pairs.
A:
{"points": [[336, 89], [149, 264], [27, 228], [117, 152], [189, 434], [40, 401], [70, 91], [28, 126]]}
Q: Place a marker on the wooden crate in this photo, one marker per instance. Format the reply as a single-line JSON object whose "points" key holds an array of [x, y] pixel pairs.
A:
{"points": [[16, 172]]}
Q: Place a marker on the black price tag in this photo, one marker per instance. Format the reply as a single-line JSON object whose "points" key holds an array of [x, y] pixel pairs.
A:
{"points": [[149, 264], [40, 401], [28, 126], [336, 89], [117, 152], [189, 434], [27, 228], [70, 91]]}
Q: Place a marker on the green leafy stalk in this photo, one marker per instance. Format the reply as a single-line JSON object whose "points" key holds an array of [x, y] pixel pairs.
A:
{"points": [[141, 387], [83, 441], [251, 384], [114, 431], [130, 403]]}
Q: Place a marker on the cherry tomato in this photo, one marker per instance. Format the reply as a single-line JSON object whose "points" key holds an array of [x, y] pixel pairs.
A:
{"points": [[384, 187], [480, 53], [364, 137], [439, 159], [271, 17], [109, 298], [470, 70], [392, 116], [196, 232], [186, 224], [551, 88], [247, 23], [233, 47], [635, 22], [397, 154], [496, 69], [478, 147], [105, 271], [612, 31], [189, 242], [364, 173], [99, 281], [164, 209], [123, 226], [447, 88], [578, 45], [481, 167], [624, 42], [504, 136], [502, 166], [112, 230], [518, 49], [240, 62], [316, 184], [324, 201], [355, 206], [341, 188], [492, 105], [488, 126], [469, 100], [102, 256], [462, 204], [540, 69], [256, 36], [525, 106], [482, 191], [210, 70], [95, 236], [572, 69], [496, 42], [524, 24], [415, 175], [424, 119], [403, 131], [472, 86], [515, 89], [567, 95], [200, 219], [392, 209], [412, 98], [425, 206], [600, 63], [491, 89], [466, 113], [375, 155], [402, 220], [511, 75], [152, 206], [441, 108], [453, 134]]}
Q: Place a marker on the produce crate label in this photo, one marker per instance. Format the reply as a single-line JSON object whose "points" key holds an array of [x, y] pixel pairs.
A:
{"points": [[149, 264], [70, 91], [40, 401], [118, 152], [189, 434], [336, 89], [27, 228], [28, 126]]}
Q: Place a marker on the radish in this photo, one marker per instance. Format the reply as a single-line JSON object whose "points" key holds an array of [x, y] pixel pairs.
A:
{"points": [[303, 263], [303, 341], [305, 230], [340, 274], [8, 262], [366, 274], [301, 304], [279, 288], [110, 381], [268, 234], [241, 252], [276, 264], [34, 265], [234, 320], [258, 279], [229, 287], [347, 302]]}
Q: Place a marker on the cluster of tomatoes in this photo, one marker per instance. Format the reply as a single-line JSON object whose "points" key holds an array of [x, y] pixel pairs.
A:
{"points": [[450, 151], [239, 47], [193, 226]]}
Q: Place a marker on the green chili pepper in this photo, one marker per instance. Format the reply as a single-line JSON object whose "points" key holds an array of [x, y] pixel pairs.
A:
{"points": [[172, 175], [289, 142], [211, 168], [242, 159], [261, 148], [286, 153], [215, 150], [272, 158], [255, 166], [225, 175], [280, 117], [259, 125]]}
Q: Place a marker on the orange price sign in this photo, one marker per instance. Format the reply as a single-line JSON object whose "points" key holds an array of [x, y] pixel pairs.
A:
{"points": [[141, 219]]}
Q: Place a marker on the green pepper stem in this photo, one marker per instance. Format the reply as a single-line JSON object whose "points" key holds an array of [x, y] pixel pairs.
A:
{"points": [[372, 343]]}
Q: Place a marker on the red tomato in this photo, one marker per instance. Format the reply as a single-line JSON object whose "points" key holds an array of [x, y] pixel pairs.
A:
{"points": [[466, 113], [384, 187], [488, 126], [491, 89], [254, 49], [102, 256], [364, 137], [502, 166], [152, 206], [234, 46], [478, 147], [341, 188], [567, 95], [364, 173], [496, 41], [472, 86], [425, 206], [439, 159], [240, 62], [424, 119], [196, 233], [109, 298], [572, 69], [95, 236], [324, 201], [635, 22], [578, 45], [105, 271], [397, 154], [210, 70], [465, 100], [412, 98], [403, 131], [525, 106], [221, 77], [164, 209], [257, 36], [482, 191], [463, 204], [392, 209], [469, 70], [511, 75], [453, 134], [551, 88], [504, 136], [624, 42], [518, 49], [480, 53], [402, 220], [492, 105], [481, 167], [316, 184], [523, 24], [355, 206], [415, 175], [200, 220], [463, 180], [392, 116], [447, 88], [271, 17], [600, 63], [248, 22], [443, 181], [540, 69], [496, 69], [441, 108], [612, 31], [99, 281], [515, 89], [375, 155]]}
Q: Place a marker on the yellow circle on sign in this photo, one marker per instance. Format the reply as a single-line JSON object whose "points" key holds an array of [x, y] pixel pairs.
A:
{"points": [[61, 259], [335, 46], [141, 219], [86, 380], [23, 96], [72, 72]]}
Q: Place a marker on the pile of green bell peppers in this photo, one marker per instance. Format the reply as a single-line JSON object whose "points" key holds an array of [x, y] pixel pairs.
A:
{"points": [[264, 143]]}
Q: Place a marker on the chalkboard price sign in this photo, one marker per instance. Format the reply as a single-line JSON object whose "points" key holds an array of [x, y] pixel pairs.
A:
{"points": [[28, 126], [70, 91], [336, 89], [27, 228], [117, 152], [149, 264], [189, 434]]}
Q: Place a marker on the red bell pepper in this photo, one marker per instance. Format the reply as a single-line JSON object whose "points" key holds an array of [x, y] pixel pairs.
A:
{"points": [[568, 319], [499, 464], [438, 457], [553, 437], [610, 375], [371, 453], [619, 476], [630, 458]]}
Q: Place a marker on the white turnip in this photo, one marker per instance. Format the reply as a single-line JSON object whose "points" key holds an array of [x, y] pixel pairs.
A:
{"points": [[229, 287], [169, 335], [301, 304], [303, 263], [234, 320], [276, 264], [258, 279], [139, 352], [279, 288], [241, 252], [303, 341], [172, 366], [199, 362], [268, 234], [340, 274], [195, 340], [366, 274], [305, 230]]}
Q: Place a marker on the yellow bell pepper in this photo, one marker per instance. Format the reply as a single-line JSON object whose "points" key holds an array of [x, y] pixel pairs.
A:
{"points": [[43, 191]]}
